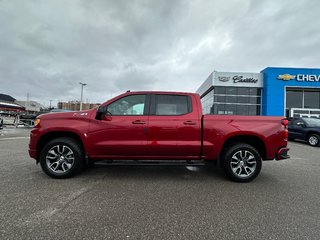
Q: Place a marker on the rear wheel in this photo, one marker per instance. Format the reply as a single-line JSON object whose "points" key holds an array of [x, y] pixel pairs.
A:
{"points": [[61, 158], [313, 139], [242, 163]]}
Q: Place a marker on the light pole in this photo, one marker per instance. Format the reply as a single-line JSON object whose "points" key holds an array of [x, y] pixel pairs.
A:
{"points": [[82, 85]]}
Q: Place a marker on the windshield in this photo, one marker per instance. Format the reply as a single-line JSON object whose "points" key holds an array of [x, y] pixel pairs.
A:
{"points": [[312, 122]]}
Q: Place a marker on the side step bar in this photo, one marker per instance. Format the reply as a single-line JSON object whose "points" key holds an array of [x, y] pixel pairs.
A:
{"points": [[150, 163]]}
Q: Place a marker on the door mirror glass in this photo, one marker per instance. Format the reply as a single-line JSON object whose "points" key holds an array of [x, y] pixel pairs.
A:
{"points": [[101, 111]]}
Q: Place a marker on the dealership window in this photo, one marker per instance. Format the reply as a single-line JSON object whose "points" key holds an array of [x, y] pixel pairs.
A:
{"points": [[232, 101], [294, 98], [302, 98], [311, 99], [207, 102]]}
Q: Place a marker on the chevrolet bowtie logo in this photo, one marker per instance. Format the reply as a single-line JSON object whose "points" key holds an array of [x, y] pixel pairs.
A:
{"points": [[286, 77]]}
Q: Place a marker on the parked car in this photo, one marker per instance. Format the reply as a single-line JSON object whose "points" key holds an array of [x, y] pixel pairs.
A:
{"points": [[157, 128], [32, 116], [306, 129]]}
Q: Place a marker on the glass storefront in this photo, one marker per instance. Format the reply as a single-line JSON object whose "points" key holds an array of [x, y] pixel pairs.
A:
{"points": [[232, 101], [207, 102], [303, 98]]}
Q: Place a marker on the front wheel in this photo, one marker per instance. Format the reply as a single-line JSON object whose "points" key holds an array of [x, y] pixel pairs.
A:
{"points": [[313, 140], [242, 163], [61, 158]]}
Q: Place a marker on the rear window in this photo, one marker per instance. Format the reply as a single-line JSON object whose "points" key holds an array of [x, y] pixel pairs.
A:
{"points": [[172, 105]]}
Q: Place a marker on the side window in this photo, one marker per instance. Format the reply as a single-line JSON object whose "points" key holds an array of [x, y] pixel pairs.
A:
{"points": [[172, 105], [130, 105]]}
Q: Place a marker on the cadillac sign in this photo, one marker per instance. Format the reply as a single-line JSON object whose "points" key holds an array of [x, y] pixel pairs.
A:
{"points": [[242, 79], [238, 79]]}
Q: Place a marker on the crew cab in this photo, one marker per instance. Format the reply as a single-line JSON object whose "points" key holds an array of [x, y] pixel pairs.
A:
{"points": [[156, 128]]}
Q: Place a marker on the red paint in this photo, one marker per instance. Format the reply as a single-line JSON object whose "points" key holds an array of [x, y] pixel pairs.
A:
{"points": [[160, 137]]}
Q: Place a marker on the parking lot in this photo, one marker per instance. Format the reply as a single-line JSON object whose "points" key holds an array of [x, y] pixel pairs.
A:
{"points": [[125, 202]]}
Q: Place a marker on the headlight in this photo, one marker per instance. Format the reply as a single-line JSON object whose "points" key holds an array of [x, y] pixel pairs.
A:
{"points": [[37, 122]]}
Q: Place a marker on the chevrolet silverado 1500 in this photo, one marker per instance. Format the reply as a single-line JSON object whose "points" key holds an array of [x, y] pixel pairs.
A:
{"points": [[157, 128]]}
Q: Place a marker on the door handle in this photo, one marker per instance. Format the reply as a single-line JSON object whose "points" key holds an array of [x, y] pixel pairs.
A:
{"points": [[138, 122], [189, 122]]}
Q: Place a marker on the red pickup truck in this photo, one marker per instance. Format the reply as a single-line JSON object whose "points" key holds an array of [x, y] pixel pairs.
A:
{"points": [[156, 128]]}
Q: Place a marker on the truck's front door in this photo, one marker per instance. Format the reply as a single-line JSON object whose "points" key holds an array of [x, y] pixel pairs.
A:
{"points": [[123, 132], [174, 127]]}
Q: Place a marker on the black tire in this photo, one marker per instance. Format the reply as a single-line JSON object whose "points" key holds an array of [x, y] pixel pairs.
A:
{"points": [[242, 162], [313, 140], [61, 158]]}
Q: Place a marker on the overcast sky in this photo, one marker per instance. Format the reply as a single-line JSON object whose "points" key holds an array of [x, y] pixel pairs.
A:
{"points": [[48, 46]]}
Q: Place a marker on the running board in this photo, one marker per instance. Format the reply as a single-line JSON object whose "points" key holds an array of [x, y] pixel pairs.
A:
{"points": [[150, 163]]}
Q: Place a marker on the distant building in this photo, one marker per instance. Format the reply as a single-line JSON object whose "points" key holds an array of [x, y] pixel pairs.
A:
{"points": [[290, 92], [75, 105], [8, 104], [31, 106]]}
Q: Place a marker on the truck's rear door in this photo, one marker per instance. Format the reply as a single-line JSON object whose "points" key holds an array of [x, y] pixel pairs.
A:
{"points": [[174, 127]]}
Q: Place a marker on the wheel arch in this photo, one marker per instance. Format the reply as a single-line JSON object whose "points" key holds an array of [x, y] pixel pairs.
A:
{"points": [[254, 141], [311, 132], [47, 137]]}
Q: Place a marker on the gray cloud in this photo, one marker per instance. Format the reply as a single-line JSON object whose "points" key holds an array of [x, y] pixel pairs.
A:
{"points": [[48, 47]]}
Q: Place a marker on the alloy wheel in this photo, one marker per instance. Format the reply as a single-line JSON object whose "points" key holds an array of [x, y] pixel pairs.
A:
{"points": [[60, 159], [243, 163], [313, 140]]}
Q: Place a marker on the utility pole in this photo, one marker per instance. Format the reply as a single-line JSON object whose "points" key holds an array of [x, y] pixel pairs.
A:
{"points": [[28, 101], [50, 104], [82, 85]]}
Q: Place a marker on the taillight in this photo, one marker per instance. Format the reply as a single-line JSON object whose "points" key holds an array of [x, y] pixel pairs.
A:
{"points": [[285, 122]]}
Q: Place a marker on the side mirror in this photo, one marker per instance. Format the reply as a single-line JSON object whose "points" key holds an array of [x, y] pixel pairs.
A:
{"points": [[101, 111], [106, 117]]}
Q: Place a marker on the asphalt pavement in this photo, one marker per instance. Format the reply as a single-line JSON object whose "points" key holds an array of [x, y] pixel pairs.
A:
{"points": [[175, 202]]}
